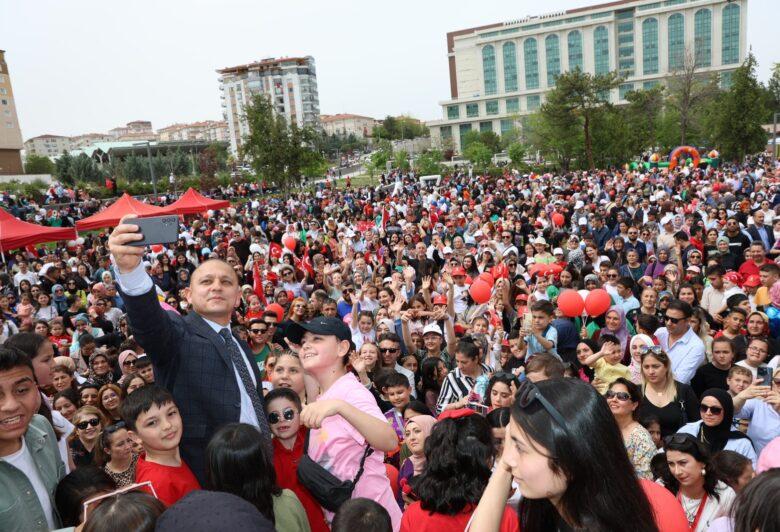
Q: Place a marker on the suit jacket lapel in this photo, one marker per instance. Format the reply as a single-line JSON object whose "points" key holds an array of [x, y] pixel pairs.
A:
{"points": [[201, 328]]}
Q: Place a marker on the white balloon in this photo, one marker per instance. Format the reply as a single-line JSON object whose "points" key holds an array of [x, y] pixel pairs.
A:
{"points": [[80, 241]]}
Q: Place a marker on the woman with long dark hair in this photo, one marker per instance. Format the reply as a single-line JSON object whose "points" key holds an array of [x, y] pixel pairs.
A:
{"points": [[559, 441], [458, 454], [238, 462], [432, 375], [694, 481], [757, 507]]}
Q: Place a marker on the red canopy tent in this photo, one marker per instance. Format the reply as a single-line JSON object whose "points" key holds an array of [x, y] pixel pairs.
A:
{"points": [[192, 202], [15, 233], [110, 216]]}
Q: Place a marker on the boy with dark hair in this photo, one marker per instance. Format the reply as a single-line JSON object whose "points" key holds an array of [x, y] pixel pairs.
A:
{"points": [[30, 463], [542, 337], [151, 415], [143, 366], [398, 392], [361, 514], [544, 366]]}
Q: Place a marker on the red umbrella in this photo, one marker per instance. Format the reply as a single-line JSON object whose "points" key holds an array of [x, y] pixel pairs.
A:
{"points": [[110, 216], [15, 233], [193, 202]]}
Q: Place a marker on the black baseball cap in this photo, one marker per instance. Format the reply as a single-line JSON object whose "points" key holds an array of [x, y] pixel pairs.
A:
{"points": [[319, 325]]}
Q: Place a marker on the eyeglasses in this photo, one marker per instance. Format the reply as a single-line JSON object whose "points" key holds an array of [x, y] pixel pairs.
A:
{"points": [[131, 487], [257, 331], [288, 414], [620, 396], [715, 410], [675, 321], [129, 363], [94, 422], [389, 349], [528, 393]]}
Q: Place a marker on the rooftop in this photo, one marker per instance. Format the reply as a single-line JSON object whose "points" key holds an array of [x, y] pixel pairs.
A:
{"points": [[47, 136], [342, 116], [263, 65]]}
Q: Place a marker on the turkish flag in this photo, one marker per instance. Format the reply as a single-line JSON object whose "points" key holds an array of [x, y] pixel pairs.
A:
{"points": [[275, 250]]}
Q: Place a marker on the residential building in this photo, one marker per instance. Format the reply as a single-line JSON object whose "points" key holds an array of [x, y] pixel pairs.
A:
{"points": [[344, 125], [10, 132], [501, 72], [87, 139], [135, 129], [47, 145], [290, 83], [206, 130]]}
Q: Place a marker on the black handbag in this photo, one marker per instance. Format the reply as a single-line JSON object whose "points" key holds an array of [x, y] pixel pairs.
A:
{"points": [[330, 491]]}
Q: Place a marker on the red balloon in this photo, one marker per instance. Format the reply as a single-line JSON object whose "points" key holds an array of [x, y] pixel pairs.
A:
{"points": [[558, 219], [571, 303], [289, 242], [597, 302], [488, 278], [277, 309], [480, 291], [157, 248]]}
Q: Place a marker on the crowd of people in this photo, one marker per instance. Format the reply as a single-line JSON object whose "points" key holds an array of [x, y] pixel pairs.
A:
{"points": [[406, 357]]}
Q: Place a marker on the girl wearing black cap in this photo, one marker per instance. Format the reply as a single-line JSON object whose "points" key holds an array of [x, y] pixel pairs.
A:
{"points": [[715, 428]]}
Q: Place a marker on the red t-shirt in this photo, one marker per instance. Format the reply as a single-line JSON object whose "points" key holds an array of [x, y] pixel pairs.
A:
{"points": [[416, 519], [169, 483], [286, 466]]}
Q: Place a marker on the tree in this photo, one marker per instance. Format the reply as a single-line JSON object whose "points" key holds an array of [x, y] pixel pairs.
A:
{"points": [[689, 91], [478, 154], [469, 138], [429, 163], [578, 97], [516, 152], [401, 160], [491, 140], [84, 168], [400, 127], [36, 164], [738, 128], [208, 166], [774, 87], [276, 151], [643, 114], [62, 168]]}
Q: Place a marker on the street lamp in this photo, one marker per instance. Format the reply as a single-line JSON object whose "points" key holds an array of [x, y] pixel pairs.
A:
{"points": [[149, 160]]}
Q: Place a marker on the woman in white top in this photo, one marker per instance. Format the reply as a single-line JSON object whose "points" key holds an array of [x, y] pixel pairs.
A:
{"points": [[715, 427], [695, 483]]}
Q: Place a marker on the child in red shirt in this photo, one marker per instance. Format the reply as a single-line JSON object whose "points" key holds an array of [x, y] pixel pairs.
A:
{"points": [[289, 435], [153, 417]]}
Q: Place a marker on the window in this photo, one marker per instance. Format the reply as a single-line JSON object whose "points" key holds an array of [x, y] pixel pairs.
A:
{"points": [[650, 46], [553, 53], [626, 46], [7, 112], [601, 49], [676, 41], [647, 85], [726, 80], [489, 68], [531, 64], [730, 22], [702, 37], [4, 102], [472, 110], [463, 129], [624, 89], [9, 125], [446, 132], [491, 107], [453, 112], [3, 91], [575, 49], [534, 102], [2, 78], [510, 67], [485, 126], [513, 105], [506, 126]]}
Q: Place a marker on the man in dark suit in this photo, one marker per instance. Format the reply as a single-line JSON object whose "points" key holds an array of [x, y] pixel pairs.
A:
{"points": [[211, 374], [760, 232]]}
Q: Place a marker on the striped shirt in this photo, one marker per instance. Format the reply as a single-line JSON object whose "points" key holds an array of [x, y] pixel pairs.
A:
{"points": [[456, 386]]}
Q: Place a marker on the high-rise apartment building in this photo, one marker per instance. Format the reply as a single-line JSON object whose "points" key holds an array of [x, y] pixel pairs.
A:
{"points": [[10, 132], [290, 83], [501, 71]]}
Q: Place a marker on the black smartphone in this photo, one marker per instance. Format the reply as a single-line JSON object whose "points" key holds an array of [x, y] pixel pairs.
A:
{"points": [[156, 230], [765, 374]]}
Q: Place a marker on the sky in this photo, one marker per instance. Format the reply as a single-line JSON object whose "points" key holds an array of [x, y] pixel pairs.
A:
{"points": [[84, 66]]}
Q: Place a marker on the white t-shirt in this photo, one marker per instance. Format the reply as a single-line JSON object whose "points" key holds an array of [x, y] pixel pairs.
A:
{"points": [[23, 461], [66, 428]]}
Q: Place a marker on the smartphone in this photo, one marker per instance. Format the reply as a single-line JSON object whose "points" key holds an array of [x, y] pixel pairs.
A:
{"points": [[765, 374], [157, 230], [479, 408]]}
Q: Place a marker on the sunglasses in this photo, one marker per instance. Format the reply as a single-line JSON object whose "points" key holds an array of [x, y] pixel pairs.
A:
{"points": [[620, 396], [129, 363], [389, 349], [674, 320], [655, 349], [257, 331], [94, 422], [273, 417], [528, 393], [715, 410]]}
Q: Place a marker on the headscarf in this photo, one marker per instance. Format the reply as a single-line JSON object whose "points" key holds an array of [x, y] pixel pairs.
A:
{"points": [[769, 457], [635, 366], [717, 437], [123, 356], [100, 380], [774, 294], [622, 332], [60, 301], [426, 425], [81, 317]]}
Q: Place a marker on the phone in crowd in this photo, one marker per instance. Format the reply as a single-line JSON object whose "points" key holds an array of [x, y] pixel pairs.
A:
{"points": [[157, 230], [479, 408], [765, 374]]}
